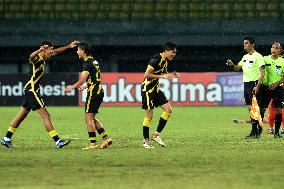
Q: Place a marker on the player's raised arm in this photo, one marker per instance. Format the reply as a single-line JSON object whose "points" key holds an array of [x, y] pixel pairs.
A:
{"points": [[42, 48], [61, 49]]}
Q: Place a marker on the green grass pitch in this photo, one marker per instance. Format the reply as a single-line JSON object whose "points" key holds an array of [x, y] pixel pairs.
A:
{"points": [[204, 150]]}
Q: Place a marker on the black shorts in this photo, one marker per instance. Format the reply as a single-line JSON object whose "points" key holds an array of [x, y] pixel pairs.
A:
{"points": [[248, 89], [277, 95], [93, 102], [32, 100], [154, 99]]}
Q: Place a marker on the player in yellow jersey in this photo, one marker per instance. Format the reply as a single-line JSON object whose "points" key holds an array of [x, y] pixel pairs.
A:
{"points": [[271, 88], [252, 65], [92, 76], [32, 99], [152, 96]]}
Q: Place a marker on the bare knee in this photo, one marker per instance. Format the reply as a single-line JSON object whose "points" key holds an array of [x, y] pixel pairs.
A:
{"points": [[149, 114], [169, 111], [46, 116], [167, 108], [19, 118], [89, 120]]}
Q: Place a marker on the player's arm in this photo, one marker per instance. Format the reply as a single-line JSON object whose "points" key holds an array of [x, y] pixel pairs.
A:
{"points": [[82, 87], [149, 74], [277, 83], [262, 72], [61, 49], [260, 80], [42, 48], [236, 68], [81, 81]]}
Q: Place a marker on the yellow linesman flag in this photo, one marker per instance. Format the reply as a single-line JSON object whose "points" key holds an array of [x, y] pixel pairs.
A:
{"points": [[255, 111]]}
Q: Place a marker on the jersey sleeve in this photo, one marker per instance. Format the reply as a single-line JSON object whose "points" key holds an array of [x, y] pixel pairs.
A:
{"points": [[282, 63], [153, 63], [34, 59], [260, 61], [86, 68]]}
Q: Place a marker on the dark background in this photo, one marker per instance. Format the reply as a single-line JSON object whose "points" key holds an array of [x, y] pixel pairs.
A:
{"points": [[126, 33]]}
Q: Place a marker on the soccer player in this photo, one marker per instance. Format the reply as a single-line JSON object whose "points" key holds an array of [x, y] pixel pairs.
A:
{"points": [[271, 89], [95, 95], [252, 65], [32, 99], [152, 96]]}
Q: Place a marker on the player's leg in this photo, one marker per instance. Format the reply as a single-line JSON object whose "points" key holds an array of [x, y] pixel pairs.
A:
{"points": [[107, 141], [254, 127], [146, 128], [92, 108], [261, 111], [148, 106], [162, 123], [22, 114], [278, 120], [262, 99], [99, 127], [248, 88], [271, 117], [91, 128], [50, 129], [161, 100], [278, 98], [282, 129], [164, 117]]}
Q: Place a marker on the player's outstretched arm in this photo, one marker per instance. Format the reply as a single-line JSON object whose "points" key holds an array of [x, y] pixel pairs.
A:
{"points": [[81, 81], [260, 80], [61, 49], [236, 68]]}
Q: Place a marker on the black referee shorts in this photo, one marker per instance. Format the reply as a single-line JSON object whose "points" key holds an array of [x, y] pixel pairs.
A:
{"points": [[277, 95], [248, 89]]}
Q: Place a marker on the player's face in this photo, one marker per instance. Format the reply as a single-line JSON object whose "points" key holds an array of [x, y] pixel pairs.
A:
{"points": [[170, 54], [48, 52], [248, 46], [80, 53], [275, 49]]}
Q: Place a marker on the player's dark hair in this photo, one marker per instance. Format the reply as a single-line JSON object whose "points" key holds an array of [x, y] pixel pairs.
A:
{"points": [[169, 46], [86, 48], [250, 39], [46, 43]]}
